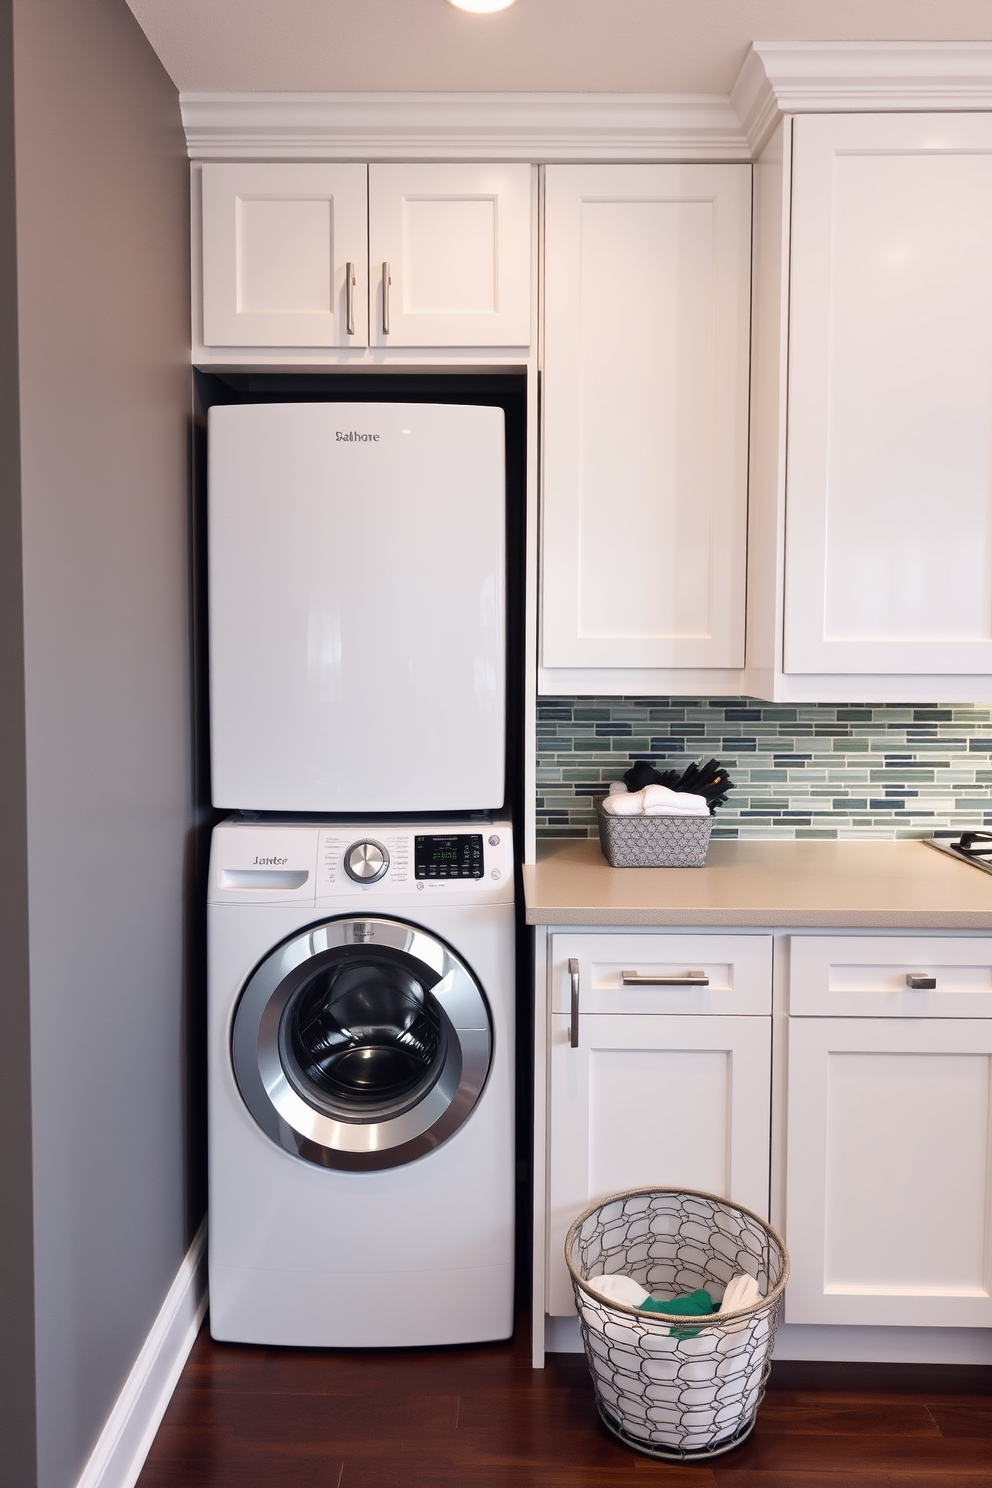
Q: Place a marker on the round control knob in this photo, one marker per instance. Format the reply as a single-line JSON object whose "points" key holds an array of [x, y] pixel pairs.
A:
{"points": [[366, 862]]}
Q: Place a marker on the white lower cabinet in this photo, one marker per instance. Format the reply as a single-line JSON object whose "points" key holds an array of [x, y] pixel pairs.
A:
{"points": [[889, 1195], [656, 1093], [660, 1073]]}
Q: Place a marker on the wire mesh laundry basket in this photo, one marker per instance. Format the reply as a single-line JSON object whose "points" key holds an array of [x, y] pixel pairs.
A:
{"points": [[681, 1389], [653, 841]]}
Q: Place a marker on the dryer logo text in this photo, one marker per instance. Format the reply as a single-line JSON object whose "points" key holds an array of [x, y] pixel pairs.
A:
{"points": [[269, 862]]}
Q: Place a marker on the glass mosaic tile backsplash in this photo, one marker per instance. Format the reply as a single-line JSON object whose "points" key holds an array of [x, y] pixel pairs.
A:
{"points": [[809, 770]]}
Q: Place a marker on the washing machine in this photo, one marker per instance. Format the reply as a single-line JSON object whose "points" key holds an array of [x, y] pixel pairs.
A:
{"points": [[360, 1083]]}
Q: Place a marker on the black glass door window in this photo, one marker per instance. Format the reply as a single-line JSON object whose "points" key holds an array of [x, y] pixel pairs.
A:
{"points": [[363, 1038]]}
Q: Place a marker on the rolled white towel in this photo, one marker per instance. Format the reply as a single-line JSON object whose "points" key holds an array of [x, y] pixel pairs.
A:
{"points": [[625, 803], [660, 801], [742, 1291], [618, 1289], [659, 796], [617, 788]]}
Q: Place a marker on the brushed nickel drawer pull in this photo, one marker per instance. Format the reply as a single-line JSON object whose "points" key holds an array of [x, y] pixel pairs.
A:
{"points": [[649, 979], [387, 280], [573, 1029], [349, 297], [921, 981]]}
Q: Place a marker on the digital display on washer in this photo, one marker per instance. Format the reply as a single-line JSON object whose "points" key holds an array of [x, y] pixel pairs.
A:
{"points": [[449, 857]]}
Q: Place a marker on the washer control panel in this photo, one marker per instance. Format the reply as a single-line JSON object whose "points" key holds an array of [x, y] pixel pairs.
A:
{"points": [[432, 859], [373, 862], [456, 856]]}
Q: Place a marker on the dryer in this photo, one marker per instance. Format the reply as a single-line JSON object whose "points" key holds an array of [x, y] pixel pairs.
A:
{"points": [[360, 1087], [357, 578]]}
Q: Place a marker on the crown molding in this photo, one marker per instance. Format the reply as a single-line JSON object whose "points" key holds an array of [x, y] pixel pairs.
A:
{"points": [[754, 101], [461, 126], [787, 77], [778, 77]]}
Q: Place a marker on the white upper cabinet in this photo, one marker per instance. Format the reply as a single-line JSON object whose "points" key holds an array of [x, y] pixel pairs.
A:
{"points": [[450, 250], [332, 263], [888, 559], [645, 407], [277, 244]]}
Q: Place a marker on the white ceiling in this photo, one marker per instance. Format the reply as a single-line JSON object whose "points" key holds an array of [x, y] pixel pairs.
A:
{"points": [[610, 46]]}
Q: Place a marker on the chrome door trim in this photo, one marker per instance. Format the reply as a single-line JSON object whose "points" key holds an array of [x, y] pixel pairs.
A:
{"points": [[361, 1145]]}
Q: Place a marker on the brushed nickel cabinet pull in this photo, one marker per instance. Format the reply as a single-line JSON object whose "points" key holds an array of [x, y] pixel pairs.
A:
{"points": [[573, 1030], [349, 297], [648, 979], [921, 981], [387, 280]]}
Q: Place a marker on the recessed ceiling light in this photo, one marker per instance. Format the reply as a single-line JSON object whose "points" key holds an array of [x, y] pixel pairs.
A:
{"points": [[482, 7]]}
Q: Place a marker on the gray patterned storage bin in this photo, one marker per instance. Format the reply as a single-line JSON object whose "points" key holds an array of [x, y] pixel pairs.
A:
{"points": [[665, 1394], [654, 841]]}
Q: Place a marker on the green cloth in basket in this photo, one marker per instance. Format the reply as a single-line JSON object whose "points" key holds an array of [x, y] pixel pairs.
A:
{"points": [[694, 1304]]}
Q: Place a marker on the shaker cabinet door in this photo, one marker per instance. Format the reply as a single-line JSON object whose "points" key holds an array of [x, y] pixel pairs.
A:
{"points": [[889, 1187], [673, 1101], [450, 255], [280, 245], [645, 407], [889, 466]]}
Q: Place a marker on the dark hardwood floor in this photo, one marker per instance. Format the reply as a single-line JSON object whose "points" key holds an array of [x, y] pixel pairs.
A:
{"points": [[450, 1418]]}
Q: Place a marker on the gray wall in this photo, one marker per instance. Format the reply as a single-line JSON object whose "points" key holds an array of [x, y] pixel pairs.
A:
{"points": [[17, 1416], [104, 382]]}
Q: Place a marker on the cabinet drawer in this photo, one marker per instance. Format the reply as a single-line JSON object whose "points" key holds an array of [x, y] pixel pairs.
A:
{"points": [[868, 976], [695, 973]]}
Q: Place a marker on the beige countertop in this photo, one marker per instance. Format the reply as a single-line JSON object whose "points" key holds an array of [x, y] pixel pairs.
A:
{"points": [[870, 885]]}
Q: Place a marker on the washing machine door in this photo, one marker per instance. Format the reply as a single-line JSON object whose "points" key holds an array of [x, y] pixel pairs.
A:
{"points": [[361, 1043]]}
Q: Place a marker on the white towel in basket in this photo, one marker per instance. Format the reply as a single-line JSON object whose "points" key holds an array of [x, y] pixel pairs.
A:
{"points": [[618, 1288], [624, 803], [660, 801], [742, 1291], [654, 800]]}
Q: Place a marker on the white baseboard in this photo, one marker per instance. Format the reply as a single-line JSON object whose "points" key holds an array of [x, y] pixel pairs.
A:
{"points": [[124, 1442], [827, 1342], [823, 1343]]}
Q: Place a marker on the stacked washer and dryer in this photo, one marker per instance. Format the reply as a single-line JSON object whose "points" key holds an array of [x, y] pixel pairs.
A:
{"points": [[360, 910]]}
